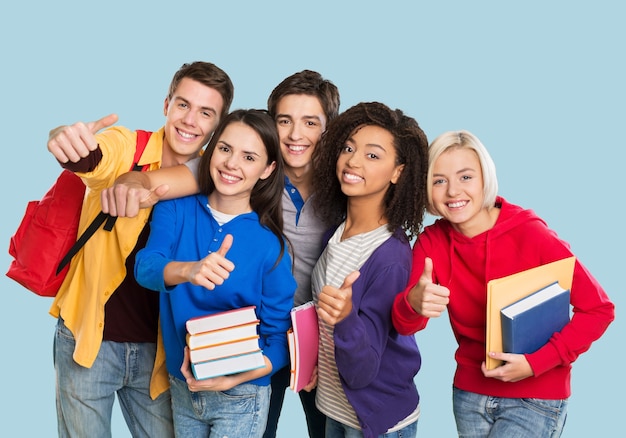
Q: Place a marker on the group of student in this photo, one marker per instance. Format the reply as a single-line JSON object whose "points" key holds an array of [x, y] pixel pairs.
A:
{"points": [[278, 207]]}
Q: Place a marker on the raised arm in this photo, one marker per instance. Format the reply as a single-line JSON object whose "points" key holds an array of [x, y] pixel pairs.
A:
{"points": [[72, 143], [134, 190]]}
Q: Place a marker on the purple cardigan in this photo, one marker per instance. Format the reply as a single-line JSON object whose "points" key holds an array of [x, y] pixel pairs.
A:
{"points": [[376, 364]]}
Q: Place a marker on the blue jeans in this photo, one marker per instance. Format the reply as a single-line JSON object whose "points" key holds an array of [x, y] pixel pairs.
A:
{"points": [[479, 415], [335, 429], [239, 412], [85, 396]]}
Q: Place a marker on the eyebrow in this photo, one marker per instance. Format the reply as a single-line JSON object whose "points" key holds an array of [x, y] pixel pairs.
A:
{"points": [[374, 145], [243, 151], [465, 169], [288, 116]]}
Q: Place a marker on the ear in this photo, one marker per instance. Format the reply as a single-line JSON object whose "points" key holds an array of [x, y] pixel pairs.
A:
{"points": [[268, 170], [166, 104], [396, 173]]}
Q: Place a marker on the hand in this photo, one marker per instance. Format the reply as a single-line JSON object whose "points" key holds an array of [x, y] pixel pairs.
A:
{"points": [[426, 298], [129, 193], [313, 382], [73, 142], [514, 369], [134, 190], [214, 269], [221, 383], [335, 304]]}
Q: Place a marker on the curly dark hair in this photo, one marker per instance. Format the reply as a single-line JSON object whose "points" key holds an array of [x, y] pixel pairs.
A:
{"points": [[405, 201]]}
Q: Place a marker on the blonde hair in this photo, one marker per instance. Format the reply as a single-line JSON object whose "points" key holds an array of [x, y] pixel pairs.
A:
{"points": [[463, 140]]}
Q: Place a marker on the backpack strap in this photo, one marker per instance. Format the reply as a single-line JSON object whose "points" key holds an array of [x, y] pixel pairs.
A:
{"points": [[142, 141], [107, 219]]}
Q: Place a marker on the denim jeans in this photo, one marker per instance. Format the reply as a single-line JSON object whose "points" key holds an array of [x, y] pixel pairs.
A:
{"points": [[335, 429], [479, 415], [239, 412], [85, 396]]}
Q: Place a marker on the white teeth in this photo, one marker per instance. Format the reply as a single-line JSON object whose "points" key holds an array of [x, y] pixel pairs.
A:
{"points": [[297, 148], [185, 135], [229, 177], [352, 177], [456, 204]]}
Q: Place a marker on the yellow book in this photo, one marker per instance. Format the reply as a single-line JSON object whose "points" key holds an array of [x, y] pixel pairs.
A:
{"points": [[506, 290]]}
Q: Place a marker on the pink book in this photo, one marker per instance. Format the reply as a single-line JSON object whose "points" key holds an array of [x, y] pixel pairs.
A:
{"points": [[303, 340]]}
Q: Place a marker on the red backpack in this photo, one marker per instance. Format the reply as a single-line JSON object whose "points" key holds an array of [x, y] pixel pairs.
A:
{"points": [[45, 240]]}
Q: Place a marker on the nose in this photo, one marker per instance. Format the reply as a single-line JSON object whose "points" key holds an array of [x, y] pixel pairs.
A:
{"points": [[453, 189], [294, 132], [189, 118], [353, 160], [231, 161]]}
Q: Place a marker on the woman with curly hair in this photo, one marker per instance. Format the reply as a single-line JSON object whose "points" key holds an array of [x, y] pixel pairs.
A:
{"points": [[370, 184]]}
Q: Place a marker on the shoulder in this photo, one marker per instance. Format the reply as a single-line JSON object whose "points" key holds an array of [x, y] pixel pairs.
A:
{"points": [[193, 165], [188, 207], [395, 252], [437, 231], [515, 216]]}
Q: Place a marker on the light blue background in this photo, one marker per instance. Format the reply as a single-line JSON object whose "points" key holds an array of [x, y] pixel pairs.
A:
{"points": [[541, 83]]}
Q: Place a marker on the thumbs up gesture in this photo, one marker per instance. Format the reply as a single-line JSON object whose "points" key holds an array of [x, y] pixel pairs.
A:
{"points": [[73, 142], [334, 304], [427, 298], [214, 269]]}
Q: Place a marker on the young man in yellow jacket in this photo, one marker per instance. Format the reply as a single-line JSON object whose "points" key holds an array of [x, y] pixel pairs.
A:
{"points": [[107, 331]]}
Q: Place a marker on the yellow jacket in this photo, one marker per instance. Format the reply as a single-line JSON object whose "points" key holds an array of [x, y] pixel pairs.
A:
{"points": [[99, 268]]}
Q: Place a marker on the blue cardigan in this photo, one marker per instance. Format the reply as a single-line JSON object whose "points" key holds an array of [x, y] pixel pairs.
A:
{"points": [[184, 229], [375, 363]]}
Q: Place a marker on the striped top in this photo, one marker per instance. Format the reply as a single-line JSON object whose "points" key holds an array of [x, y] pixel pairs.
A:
{"points": [[339, 259]]}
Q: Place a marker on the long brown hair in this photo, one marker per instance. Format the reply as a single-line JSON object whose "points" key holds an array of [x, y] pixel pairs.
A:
{"points": [[266, 195]]}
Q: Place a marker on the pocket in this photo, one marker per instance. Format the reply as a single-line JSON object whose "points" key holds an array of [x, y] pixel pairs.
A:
{"points": [[549, 408], [63, 332]]}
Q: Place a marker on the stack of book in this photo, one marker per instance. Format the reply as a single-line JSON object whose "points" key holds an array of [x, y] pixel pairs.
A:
{"points": [[224, 343]]}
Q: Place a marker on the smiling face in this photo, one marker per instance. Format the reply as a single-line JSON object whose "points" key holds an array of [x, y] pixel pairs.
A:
{"points": [[366, 165], [457, 191], [192, 114], [300, 121], [238, 161]]}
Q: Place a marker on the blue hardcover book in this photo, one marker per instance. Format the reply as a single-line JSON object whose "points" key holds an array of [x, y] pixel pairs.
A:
{"points": [[529, 323]]}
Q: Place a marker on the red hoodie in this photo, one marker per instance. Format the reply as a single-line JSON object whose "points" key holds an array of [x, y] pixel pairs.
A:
{"points": [[519, 240]]}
